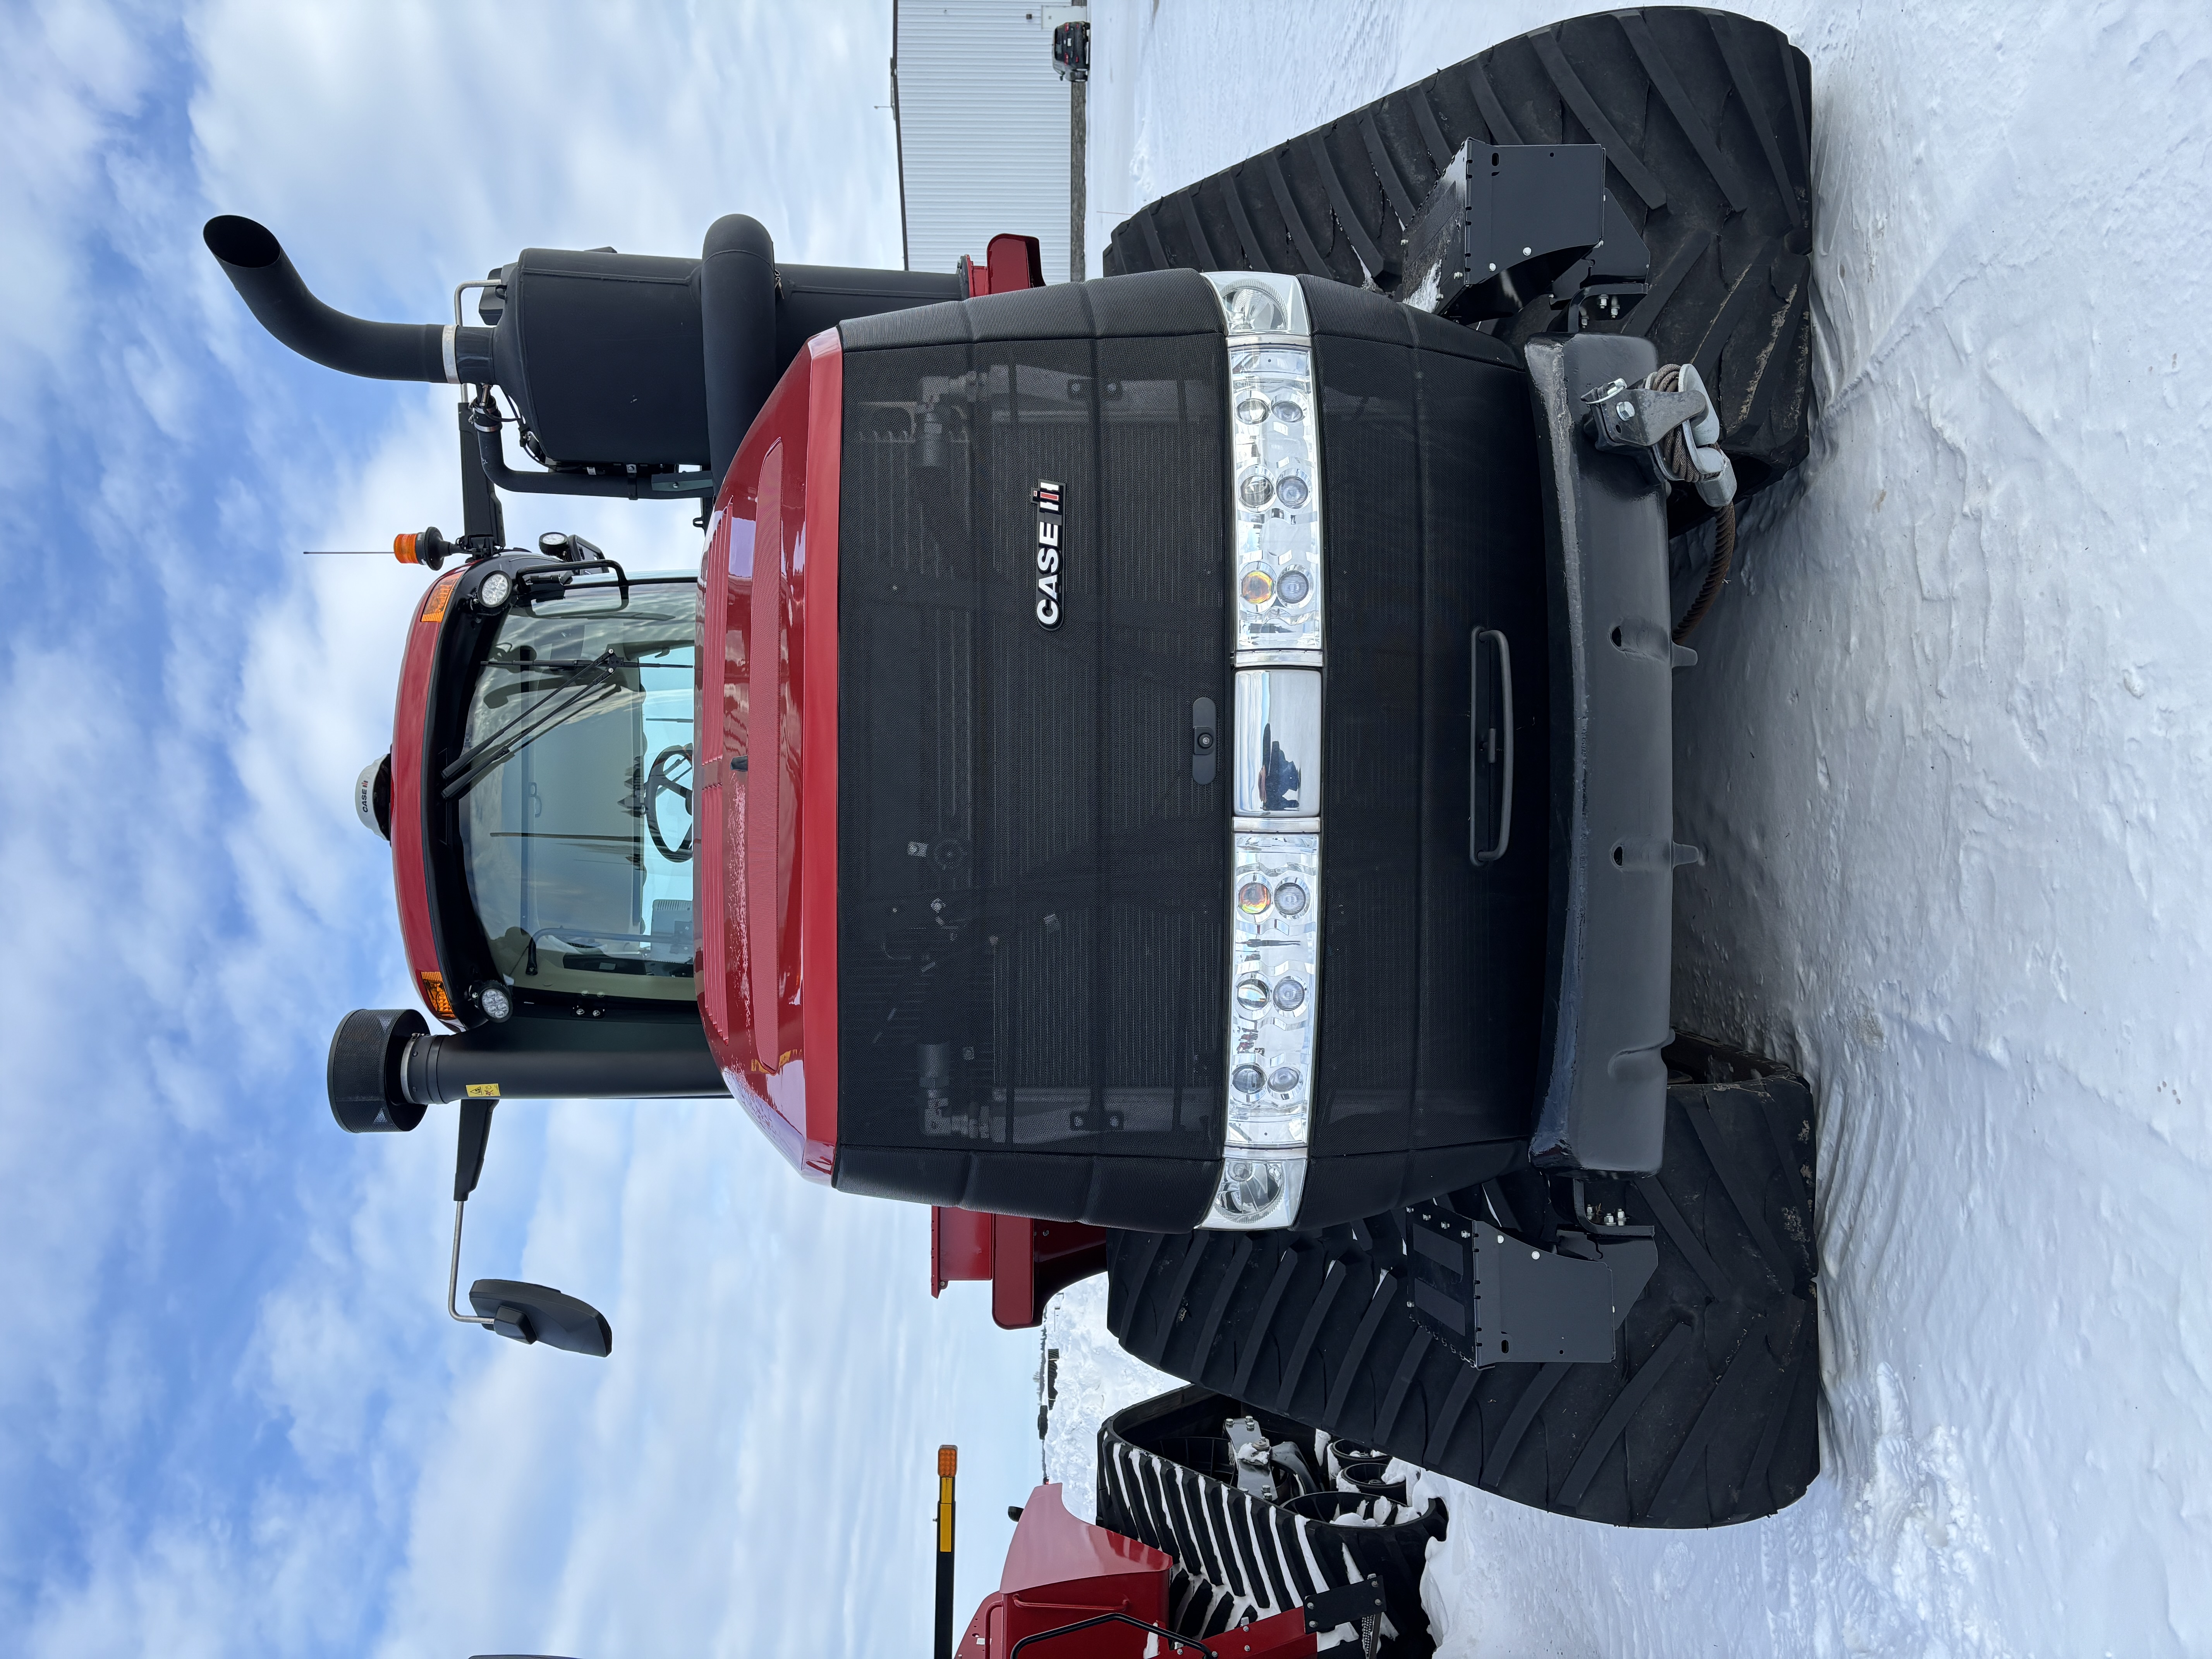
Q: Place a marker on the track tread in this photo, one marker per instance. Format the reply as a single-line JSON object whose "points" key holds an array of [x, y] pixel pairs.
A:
{"points": [[1196, 227], [1669, 88], [1382, 1302], [1385, 170], [1531, 1401], [1500, 124], [1309, 1332], [1173, 1307], [1614, 1423], [1362, 244], [1704, 1416], [1394, 1401], [1705, 119], [1747, 88], [1438, 1446], [1210, 1327], [1295, 221], [1576, 97]]}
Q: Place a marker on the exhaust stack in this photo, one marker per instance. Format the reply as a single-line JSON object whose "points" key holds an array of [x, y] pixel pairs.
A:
{"points": [[633, 369], [255, 262]]}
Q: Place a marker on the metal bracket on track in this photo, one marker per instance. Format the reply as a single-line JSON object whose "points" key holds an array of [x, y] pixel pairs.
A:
{"points": [[1494, 1299]]}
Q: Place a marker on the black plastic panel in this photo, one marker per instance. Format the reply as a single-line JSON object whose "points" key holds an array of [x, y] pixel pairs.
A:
{"points": [[1610, 953], [603, 357], [1165, 1194], [1351, 1186], [1032, 886], [1159, 304]]}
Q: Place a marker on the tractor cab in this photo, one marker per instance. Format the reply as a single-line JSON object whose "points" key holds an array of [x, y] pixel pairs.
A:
{"points": [[570, 789], [538, 798]]}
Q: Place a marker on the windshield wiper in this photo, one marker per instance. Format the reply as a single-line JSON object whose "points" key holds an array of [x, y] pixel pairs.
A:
{"points": [[580, 688]]}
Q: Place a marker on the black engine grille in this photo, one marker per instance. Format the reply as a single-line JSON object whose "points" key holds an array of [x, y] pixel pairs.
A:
{"points": [[1032, 930]]}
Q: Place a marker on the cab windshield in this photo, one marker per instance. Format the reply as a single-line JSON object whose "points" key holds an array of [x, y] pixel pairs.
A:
{"points": [[575, 792]]}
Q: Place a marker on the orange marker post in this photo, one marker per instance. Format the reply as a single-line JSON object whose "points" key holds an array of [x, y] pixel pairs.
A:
{"points": [[948, 1465]]}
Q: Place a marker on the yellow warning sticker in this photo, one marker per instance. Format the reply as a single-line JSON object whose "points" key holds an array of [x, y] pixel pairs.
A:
{"points": [[483, 1091]]}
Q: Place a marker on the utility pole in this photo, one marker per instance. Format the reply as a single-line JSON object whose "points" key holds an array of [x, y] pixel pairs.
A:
{"points": [[1078, 130], [1070, 60]]}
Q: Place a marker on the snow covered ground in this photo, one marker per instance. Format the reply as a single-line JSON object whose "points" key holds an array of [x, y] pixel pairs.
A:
{"points": [[1948, 754]]}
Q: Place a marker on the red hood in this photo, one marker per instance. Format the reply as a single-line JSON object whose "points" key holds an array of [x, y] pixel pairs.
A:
{"points": [[766, 886], [410, 880]]}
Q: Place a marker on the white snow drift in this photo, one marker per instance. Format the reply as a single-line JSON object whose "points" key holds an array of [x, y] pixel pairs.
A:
{"points": [[1948, 754]]}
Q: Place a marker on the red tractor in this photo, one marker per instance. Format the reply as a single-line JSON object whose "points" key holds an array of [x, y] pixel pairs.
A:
{"points": [[1222, 1533], [1173, 770]]}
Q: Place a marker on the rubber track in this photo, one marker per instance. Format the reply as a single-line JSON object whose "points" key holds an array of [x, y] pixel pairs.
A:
{"points": [[1238, 1554], [1705, 119], [1705, 1415]]}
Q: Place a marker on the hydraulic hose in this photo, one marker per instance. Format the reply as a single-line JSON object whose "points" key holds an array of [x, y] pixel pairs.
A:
{"points": [[255, 263]]}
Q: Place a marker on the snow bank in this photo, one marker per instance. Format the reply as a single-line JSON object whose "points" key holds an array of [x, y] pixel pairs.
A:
{"points": [[1097, 1379], [1948, 754]]}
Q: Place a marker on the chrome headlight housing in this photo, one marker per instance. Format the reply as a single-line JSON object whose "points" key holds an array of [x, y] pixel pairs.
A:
{"points": [[1275, 899], [1273, 992], [1275, 470]]}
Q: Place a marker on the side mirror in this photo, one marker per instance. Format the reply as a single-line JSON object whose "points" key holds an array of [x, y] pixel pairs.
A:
{"points": [[520, 1312], [538, 1313]]}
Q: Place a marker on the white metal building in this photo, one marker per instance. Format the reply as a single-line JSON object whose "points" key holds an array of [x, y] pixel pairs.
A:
{"points": [[982, 129]]}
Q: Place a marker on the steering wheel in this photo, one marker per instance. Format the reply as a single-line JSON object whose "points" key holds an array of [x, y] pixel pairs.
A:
{"points": [[661, 781]]}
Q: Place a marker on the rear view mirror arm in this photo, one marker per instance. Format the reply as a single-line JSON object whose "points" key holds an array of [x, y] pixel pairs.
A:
{"points": [[453, 1274], [468, 1169]]}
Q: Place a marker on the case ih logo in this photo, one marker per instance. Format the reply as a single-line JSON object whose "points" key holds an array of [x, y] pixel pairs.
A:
{"points": [[1047, 554]]}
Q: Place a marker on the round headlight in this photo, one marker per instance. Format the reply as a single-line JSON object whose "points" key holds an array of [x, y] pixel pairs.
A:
{"points": [[1294, 585], [495, 999], [1291, 899], [1252, 994], [1293, 492], [1290, 994], [494, 589], [1255, 492], [1250, 1187], [1247, 1079], [1257, 587], [1283, 1079], [1253, 310], [1287, 410], [1252, 410], [1252, 897]]}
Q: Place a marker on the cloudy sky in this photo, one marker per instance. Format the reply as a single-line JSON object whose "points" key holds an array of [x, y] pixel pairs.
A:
{"points": [[235, 1419]]}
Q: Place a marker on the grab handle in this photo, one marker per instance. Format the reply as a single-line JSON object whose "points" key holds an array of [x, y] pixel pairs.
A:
{"points": [[1493, 752]]}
